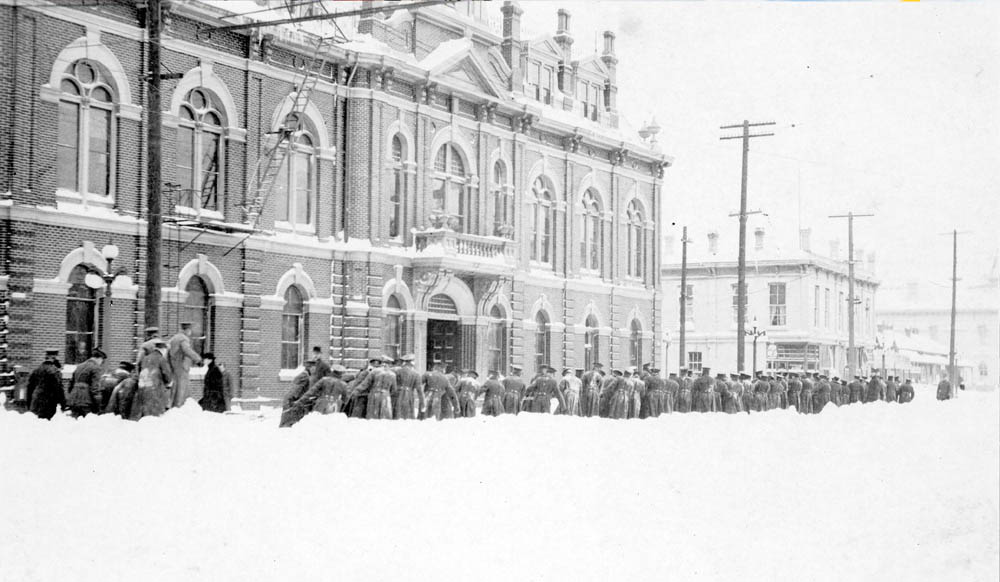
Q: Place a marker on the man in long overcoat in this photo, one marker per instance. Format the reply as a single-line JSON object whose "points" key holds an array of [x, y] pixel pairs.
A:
{"points": [[45, 391], [891, 390], [467, 389], [154, 376], [806, 395], [570, 386], [182, 355], [409, 396], [703, 392], [442, 402], [86, 393], [655, 401], [944, 389], [906, 392], [590, 391], [293, 408], [545, 388], [493, 395], [513, 390], [381, 384], [672, 387], [794, 388], [855, 391]]}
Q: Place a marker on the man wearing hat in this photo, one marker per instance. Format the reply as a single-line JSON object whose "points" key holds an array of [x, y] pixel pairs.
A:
{"points": [[905, 391], [357, 402], [442, 402], [545, 388], [794, 389], [109, 380], [45, 392], [296, 406], [875, 389], [321, 369], [120, 398], [728, 393], [703, 392], [85, 393], [468, 391], [570, 387], [672, 387], [590, 391], [891, 389], [806, 394], [636, 393], [493, 395], [821, 397], [331, 392], [655, 402], [181, 358], [380, 384], [408, 399], [150, 336], [685, 400], [151, 397], [615, 396], [513, 390], [855, 390]]}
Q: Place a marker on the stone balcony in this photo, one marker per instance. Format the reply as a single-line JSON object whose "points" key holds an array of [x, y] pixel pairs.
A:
{"points": [[443, 247]]}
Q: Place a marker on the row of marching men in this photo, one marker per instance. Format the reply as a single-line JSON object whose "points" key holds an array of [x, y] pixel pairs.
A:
{"points": [[391, 388]]}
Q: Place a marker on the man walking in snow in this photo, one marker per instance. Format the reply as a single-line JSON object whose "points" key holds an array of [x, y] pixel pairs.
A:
{"points": [[493, 395], [409, 396], [182, 355], [513, 390], [45, 392], [86, 393], [590, 391]]}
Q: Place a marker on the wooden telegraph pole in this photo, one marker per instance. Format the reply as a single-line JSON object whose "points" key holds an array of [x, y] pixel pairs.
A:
{"points": [[741, 284], [154, 216], [852, 356], [683, 297], [952, 371]]}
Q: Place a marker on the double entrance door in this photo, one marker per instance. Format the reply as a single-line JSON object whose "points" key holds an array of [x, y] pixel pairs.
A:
{"points": [[444, 343]]}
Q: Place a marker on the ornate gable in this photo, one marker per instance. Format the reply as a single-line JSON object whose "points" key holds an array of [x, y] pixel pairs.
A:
{"points": [[468, 73]]}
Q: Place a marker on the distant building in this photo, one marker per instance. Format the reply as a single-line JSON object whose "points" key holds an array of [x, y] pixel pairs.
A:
{"points": [[798, 297], [453, 189], [907, 354], [925, 309]]}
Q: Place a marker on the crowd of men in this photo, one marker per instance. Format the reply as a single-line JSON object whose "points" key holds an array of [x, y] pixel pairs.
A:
{"points": [[394, 389], [157, 381]]}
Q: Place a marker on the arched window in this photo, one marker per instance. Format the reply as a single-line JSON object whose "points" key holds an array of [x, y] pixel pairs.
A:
{"points": [[295, 187], [543, 339], [503, 202], [292, 329], [591, 343], [200, 150], [392, 328], [398, 194], [86, 135], [590, 241], [636, 245], [450, 194], [543, 222], [496, 341], [635, 343], [198, 309], [81, 323]]}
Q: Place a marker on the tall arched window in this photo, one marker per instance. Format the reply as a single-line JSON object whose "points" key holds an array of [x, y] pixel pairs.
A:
{"points": [[292, 329], [636, 245], [590, 241], [392, 328], [81, 303], [450, 194], [591, 343], [635, 343], [398, 194], [84, 143], [503, 206], [200, 151], [543, 222], [496, 341], [543, 339], [295, 188], [198, 309]]}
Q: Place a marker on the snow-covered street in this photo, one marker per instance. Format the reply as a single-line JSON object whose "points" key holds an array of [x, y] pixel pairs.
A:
{"points": [[874, 492]]}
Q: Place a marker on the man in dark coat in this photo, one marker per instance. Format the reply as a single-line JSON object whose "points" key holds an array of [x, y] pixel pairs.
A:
{"points": [[120, 398], [213, 397], [685, 400], [655, 402], [151, 396], [379, 385], [442, 402], [702, 389], [409, 396], [590, 391], [794, 388], [728, 397], [855, 390], [330, 393], [468, 391], [85, 394], [874, 391], [891, 390], [944, 389], [357, 403], [615, 396], [112, 379], [672, 387], [545, 388], [293, 409], [321, 368], [493, 395], [821, 396], [513, 390], [906, 392], [45, 392], [806, 395]]}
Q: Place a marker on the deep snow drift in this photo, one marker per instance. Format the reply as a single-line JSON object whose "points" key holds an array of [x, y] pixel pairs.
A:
{"points": [[874, 492]]}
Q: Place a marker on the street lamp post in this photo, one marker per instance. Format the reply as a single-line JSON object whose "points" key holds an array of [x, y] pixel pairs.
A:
{"points": [[98, 280], [755, 333]]}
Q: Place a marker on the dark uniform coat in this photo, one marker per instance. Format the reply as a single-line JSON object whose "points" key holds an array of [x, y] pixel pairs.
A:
{"points": [[891, 391], [293, 408], [213, 398], [615, 398], [821, 397], [85, 394], [468, 391], [409, 394], [794, 388], [151, 396], [442, 402], [944, 390], [704, 397], [855, 391], [545, 388], [513, 392], [493, 397], [806, 397], [381, 383], [45, 391], [331, 395], [906, 392], [655, 402], [590, 394]]}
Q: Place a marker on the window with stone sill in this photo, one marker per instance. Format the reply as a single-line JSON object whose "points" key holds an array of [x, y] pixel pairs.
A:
{"points": [[503, 202], [398, 192], [199, 309], [200, 151], [635, 344], [451, 193], [591, 235], [496, 341], [591, 343], [296, 186], [543, 222], [636, 258], [292, 330], [85, 141], [543, 340], [392, 328], [81, 316]]}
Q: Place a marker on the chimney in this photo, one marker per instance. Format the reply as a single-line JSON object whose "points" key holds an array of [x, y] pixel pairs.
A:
{"points": [[758, 235], [366, 24], [510, 47], [835, 249], [611, 62], [713, 242], [804, 243], [563, 36]]}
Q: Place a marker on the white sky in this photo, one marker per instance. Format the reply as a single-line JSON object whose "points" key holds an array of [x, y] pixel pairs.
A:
{"points": [[885, 108]]}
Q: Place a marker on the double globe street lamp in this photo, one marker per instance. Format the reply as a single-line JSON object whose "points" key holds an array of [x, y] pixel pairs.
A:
{"points": [[755, 333], [96, 280]]}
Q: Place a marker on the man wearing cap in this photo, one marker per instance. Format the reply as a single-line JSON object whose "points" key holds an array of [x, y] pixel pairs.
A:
{"points": [[442, 402], [637, 393], [821, 396], [151, 335], [906, 391], [513, 390], [321, 368], [873, 392], [45, 392], [729, 397], [684, 402], [409, 395], [295, 407], [154, 376], [181, 358], [671, 387], [891, 390], [855, 390], [331, 392], [120, 399], [944, 388], [615, 396], [468, 391], [109, 380], [493, 395], [545, 388], [357, 402], [85, 395], [704, 399], [382, 383], [655, 402], [570, 387], [590, 391], [806, 394], [794, 388]]}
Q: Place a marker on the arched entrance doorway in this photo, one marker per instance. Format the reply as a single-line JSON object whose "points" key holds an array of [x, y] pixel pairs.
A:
{"points": [[443, 332]]}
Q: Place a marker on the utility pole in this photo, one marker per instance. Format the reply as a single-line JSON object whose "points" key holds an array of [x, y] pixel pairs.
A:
{"points": [[852, 356], [154, 216], [741, 289], [952, 372], [684, 297]]}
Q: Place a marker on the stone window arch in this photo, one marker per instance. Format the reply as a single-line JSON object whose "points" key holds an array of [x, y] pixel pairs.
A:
{"points": [[397, 195], [543, 339], [297, 184], [201, 150], [199, 309], [591, 341], [543, 221], [635, 343], [636, 261], [85, 142], [503, 200], [451, 194], [591, 232], [293, 332], [393, 327], [496, 339]]}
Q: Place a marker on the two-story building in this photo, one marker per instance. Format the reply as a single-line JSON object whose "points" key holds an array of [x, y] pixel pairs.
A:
{"points": [[799, 298], [450, 189]]}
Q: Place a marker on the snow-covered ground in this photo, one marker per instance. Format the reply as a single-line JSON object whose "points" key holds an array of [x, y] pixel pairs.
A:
{"points": [[876, 492]]}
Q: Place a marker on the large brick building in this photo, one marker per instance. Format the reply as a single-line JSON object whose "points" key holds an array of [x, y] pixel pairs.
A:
{"points": [[452, 190]]}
